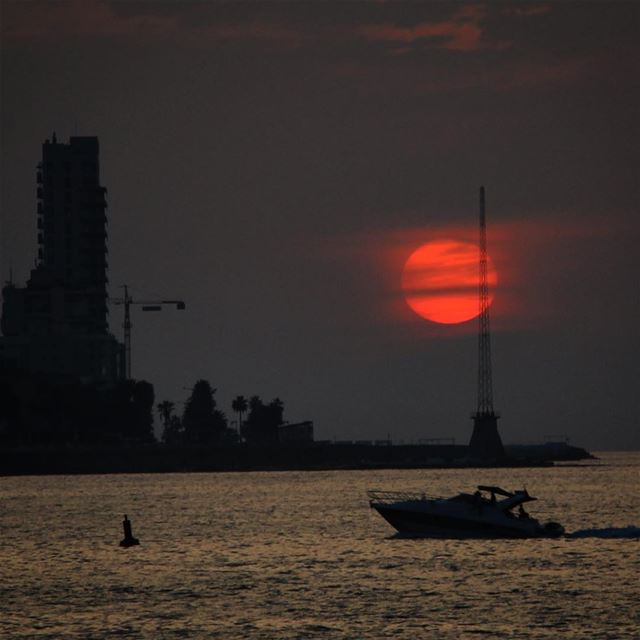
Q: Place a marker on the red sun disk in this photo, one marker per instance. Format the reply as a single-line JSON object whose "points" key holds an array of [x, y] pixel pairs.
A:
{"points": [[440, 281]]}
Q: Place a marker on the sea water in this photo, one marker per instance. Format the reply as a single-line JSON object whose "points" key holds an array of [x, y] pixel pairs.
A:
{"points": [[301, 555]]}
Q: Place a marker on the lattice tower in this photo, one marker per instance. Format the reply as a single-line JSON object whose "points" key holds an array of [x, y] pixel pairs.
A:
{"points": [[485, 385]]}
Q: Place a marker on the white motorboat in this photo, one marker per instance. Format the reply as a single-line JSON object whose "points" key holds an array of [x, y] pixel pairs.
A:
{"points": [[490, 512]]}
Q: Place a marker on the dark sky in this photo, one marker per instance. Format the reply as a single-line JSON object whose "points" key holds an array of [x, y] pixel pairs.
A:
{"points": [[274, 164]]}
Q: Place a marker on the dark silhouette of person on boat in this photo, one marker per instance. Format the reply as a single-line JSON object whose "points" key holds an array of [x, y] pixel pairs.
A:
{"points": [[128, 540]]}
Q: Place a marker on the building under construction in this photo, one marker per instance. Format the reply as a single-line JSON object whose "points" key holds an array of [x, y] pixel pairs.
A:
{"points": [[57, 324]]}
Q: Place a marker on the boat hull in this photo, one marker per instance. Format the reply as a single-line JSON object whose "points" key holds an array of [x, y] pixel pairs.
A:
{"points": [[439, 525]]}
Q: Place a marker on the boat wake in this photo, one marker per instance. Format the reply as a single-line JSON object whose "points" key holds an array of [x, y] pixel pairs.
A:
{"points": [[608, 532]]}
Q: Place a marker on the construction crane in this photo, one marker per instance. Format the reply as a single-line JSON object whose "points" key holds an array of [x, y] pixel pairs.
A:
{"points": [[147, 305]]}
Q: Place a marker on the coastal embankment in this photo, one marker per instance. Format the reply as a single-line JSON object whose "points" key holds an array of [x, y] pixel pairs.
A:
{"points": [[156, 458]]}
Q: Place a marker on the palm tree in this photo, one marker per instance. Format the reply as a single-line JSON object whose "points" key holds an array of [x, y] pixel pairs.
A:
{"points": [[240, 405]]}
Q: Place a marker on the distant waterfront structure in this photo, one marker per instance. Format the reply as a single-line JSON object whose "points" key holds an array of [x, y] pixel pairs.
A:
{"points": [[485, 443], [57, 324], [296, 433]]}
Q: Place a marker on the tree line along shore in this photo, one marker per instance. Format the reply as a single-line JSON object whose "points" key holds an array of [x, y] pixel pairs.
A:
{"points": [[52, 427]]}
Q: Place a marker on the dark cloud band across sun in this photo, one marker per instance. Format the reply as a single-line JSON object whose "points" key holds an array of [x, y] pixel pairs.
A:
{"points": [[431, 272], [440, 281]]}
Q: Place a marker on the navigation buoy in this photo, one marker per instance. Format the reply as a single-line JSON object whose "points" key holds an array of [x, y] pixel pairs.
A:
{"points": [[128, 540]]}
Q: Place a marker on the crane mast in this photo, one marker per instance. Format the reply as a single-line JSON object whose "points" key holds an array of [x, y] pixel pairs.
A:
{"points": [[148, 305]]}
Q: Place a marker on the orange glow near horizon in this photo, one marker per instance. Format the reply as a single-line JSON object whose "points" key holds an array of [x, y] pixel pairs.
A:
{"points": [[440, 281]]}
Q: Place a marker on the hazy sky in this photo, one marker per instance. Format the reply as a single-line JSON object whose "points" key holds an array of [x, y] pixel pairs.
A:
{"points": [[274, 164]]}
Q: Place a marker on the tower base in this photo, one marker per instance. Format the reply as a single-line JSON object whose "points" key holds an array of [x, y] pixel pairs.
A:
{"points": [[485, 443]]}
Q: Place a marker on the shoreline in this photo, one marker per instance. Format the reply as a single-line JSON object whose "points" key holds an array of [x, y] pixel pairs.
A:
{"points": [[111, 459]]}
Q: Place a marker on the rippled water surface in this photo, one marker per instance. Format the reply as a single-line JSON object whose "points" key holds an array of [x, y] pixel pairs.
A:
{"points": [[300, 555]]}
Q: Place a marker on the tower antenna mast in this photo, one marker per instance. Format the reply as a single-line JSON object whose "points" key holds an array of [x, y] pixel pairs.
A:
{"points": [[485, 441], [485, 383]]}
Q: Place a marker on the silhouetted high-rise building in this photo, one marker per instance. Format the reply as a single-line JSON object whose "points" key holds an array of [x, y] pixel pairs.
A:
{"points": [[57, 324]]}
